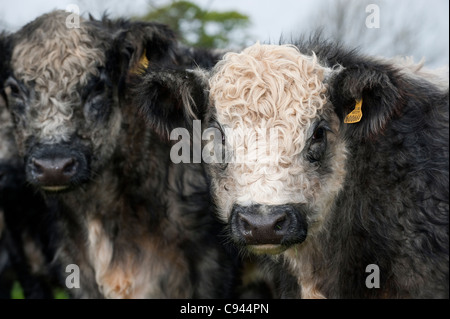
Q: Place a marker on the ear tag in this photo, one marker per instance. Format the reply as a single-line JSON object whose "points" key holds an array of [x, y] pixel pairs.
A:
{"points": [[141, 65], [355, 115]]}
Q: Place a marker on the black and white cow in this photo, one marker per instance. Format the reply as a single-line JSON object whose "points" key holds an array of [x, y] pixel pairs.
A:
{"points": [[335, 162], [134, 224]]}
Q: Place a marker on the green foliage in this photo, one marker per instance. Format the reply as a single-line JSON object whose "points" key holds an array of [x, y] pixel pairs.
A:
{"points": [[201, 28], [60, 293], [17, 292]]}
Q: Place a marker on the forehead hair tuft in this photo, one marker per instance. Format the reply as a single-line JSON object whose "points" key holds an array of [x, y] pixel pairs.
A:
{"points": [[54, 57], [47, 48], [272, 86], [57, 61]]}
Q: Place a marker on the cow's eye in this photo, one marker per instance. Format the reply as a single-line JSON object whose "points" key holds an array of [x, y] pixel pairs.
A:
{"points": [[96, 86], [12, 88], [222, 135], [97, 97], [318, 143], [95, 90], [99, 88], [319, 134], [219, 149]]}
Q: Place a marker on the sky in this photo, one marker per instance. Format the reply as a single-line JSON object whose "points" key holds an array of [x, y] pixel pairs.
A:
{"points": [[270, 18]]}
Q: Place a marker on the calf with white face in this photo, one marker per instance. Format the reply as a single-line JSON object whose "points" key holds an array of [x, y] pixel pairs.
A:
{"points": [[305, 175], [287, 163]]}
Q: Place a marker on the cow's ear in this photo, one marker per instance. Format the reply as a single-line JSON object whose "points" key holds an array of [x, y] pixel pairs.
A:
{"points": [[137, 46], [169, 99], [146, 44], [365, 97]]}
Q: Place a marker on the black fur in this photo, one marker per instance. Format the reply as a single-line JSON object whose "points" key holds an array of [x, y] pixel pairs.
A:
{"points": [[393, 209], [27, 233], [139, 226], [28, 222]]}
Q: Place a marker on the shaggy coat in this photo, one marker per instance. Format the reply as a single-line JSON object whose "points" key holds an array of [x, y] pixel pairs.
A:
{"points": [[26, 229], [326, 197], [136, 225]]}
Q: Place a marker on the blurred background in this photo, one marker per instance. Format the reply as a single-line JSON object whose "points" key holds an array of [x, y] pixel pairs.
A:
{"points": [[417, 28]]}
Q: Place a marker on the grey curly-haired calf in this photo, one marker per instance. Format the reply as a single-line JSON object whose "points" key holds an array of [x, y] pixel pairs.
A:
{"points": [[334, 162], [134, 224], [26, 229]]}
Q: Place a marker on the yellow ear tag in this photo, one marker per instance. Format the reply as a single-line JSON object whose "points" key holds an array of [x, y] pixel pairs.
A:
{"points": [[141, 65], [355, 115]]}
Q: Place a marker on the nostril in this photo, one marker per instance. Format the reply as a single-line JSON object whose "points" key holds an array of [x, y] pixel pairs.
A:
{"points": [[37, 167], [281, 223], [243, 222], [70, 167]]}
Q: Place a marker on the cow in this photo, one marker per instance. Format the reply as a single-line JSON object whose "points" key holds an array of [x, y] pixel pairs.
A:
{"points": [[25, 224], [131, 224], [26, 227], [333, 162]]}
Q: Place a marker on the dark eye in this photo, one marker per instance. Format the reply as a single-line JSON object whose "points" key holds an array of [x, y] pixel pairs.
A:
{"points": [[319, 134], [222, 133], [318, 144], [220, 152], [13, 87], [94, 90], [99, 88], [96, 86], [219, 131]]}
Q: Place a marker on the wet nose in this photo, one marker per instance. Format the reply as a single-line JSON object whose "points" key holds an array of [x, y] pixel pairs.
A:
{"points": [[262, 225], [54, 171], [263, 229]]}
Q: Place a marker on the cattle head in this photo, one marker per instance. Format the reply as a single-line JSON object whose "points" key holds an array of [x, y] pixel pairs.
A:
{"points": [[283, 141], [65, 88]]}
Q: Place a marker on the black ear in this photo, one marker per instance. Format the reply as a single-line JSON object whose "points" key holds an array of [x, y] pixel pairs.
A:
{"points": [[136, 46], [171, 98], [377, 86], [153, 43]]}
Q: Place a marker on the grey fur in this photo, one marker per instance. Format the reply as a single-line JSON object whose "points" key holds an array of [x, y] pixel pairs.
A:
{"points": [[137, 225]]}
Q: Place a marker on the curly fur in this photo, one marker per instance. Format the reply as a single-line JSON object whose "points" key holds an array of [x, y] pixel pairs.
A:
{"points": [[57, 61], [378, 193], [278, 91], [374, 196], [137, 225]]}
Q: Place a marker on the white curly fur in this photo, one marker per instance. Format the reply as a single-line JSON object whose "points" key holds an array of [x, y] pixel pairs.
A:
{"points": [[267, 98]]}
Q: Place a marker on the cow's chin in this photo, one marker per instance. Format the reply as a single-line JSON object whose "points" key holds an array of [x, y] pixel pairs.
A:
{"points": [[266, 249], [55, 189]]}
